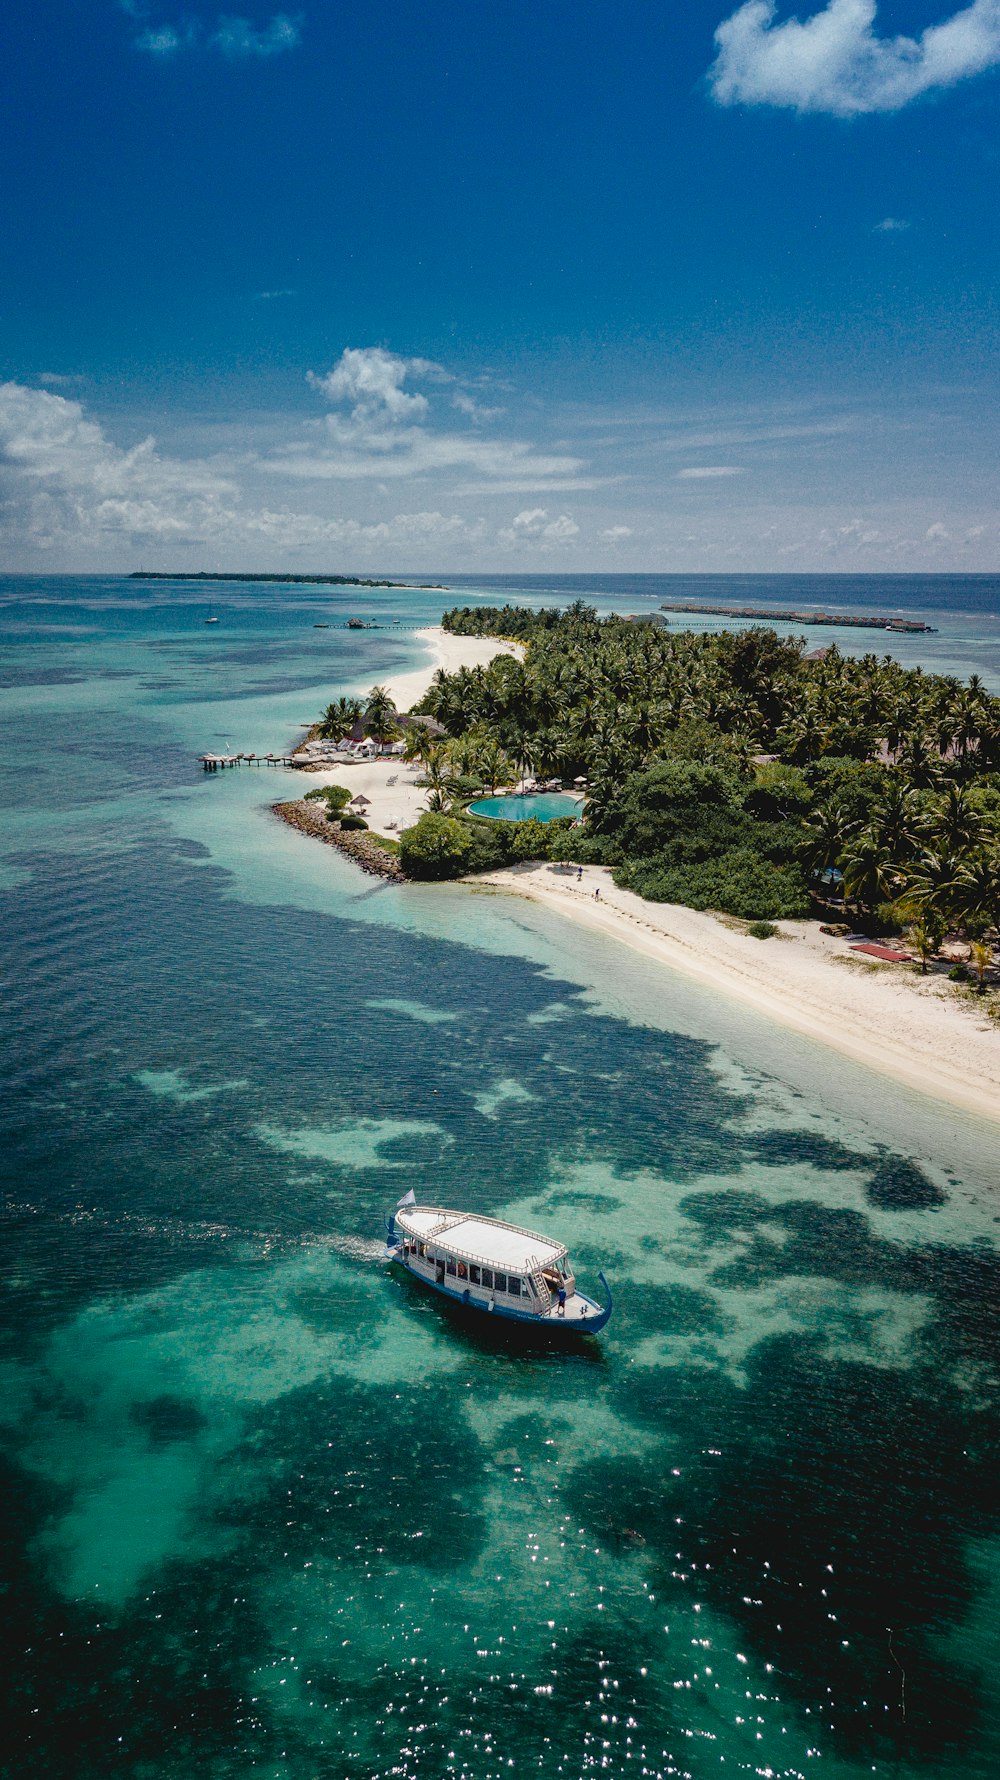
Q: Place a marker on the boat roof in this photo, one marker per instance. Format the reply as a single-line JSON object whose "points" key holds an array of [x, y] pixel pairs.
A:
{"points": [[488, 1240]]}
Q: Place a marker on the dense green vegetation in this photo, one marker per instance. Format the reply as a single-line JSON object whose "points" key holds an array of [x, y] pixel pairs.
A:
{"points": [[729, 771], [449, 846]]}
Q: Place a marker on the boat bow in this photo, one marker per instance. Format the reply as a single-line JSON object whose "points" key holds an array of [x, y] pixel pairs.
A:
{"points": [[603, 1317]]}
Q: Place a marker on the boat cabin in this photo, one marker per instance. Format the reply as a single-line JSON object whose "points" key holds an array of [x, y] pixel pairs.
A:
{"points": [[488, 1264]]}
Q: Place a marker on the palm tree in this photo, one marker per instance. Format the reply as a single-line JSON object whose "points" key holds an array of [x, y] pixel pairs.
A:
{"points": [[827, 831], [953, 825], [418, 742], [924, 935], [921, 762], [494, 766], [896, 821], [978, 888], [380, 712], [867, 869], [440, 780], [935, 883], [980, 957], [340, 717]]}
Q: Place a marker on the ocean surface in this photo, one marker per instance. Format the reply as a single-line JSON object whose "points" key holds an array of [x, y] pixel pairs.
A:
{"points": [[268, 1510]]}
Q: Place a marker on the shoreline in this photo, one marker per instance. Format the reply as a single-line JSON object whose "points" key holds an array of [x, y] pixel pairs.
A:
{"points": [[912, 1031], [448, 652]]}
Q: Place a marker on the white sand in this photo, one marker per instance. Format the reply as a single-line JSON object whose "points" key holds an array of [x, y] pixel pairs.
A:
{"points": [[913, 1029], [448, 652], [916, 1030], [396, 800]]}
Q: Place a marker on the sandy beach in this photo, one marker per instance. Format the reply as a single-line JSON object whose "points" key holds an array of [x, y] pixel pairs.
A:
{"points": [[394, 797], [915, 1030], [448, 652]]}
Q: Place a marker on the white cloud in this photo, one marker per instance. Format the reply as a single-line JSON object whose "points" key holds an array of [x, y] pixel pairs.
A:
{"points": [[834, 62], [937, 533], [64, 485], [61, 477], [891, 225], [164, 40], [372, 380], [237, 37], [477, 411], [386, 435], [534, 526], [233, 37], [616, 534], [708, 472]]}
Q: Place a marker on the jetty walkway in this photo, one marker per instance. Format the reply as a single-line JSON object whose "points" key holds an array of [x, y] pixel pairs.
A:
{"points": [[215, 763], [845, 620]]}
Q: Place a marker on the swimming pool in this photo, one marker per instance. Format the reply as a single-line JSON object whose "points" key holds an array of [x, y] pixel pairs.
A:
{"points": [[544, 807]]}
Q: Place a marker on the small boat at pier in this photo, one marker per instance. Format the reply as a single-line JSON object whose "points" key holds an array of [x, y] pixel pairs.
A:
{"points": [[494, 1267]]}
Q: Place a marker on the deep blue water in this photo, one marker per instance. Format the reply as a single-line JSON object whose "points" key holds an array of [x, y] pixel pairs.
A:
{"points": [[268, 1511]]}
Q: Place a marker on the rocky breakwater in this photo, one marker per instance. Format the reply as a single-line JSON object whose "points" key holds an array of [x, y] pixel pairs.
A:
{"points": [[365, 849]]}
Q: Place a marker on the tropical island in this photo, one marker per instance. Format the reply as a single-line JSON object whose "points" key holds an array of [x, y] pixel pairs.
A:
{"points": [[726, 778], [283, 580]]}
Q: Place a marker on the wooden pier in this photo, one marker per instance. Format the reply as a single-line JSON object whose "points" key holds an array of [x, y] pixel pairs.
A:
{"points": [[216, 763]]}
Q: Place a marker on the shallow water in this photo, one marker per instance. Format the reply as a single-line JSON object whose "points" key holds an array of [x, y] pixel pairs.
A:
{"points": [[271, 1511]]}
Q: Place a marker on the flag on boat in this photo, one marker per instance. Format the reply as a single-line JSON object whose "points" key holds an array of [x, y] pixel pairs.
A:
{"points": [[409, 1198]]}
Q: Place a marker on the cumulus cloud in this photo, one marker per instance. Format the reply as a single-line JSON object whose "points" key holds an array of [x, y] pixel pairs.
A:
{"points": [[372, 379], [64, 485], [61, 477], [708, 472], [534, 526], [234, 37], [616, 534], [891, 225], [834, 62], [387, 433]]}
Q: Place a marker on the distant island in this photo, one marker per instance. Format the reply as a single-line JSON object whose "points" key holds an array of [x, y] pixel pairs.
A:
{"points": [[297, 580]]}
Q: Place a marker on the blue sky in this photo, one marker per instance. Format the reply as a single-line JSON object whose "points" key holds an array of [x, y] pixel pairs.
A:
{"points": [[428, 286]]}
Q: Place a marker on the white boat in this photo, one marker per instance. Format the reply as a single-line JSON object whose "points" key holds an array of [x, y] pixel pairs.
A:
{"points": [[494, 1267]]}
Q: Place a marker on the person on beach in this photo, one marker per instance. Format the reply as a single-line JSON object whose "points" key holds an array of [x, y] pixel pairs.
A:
{"points": [[597, 895], [579, 874]]}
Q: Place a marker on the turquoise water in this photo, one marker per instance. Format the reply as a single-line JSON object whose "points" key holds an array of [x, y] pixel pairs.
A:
{"points": [[268, 1510], [526, 808]]}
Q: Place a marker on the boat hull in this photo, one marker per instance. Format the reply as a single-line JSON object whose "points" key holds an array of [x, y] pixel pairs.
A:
{"points": [[593, 1318]]}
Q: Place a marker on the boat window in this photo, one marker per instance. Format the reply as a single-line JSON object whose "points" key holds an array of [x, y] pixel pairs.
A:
{"points": [[474, 1275], [500, 1281], [450, 1267], [487, 1277]]}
